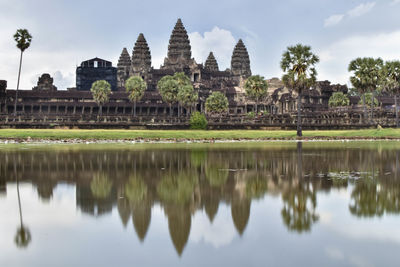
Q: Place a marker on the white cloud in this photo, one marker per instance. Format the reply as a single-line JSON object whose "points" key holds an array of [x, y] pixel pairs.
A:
{"points": [[221, 42], [336, 57], [352, 13], [361, 9], [333, 20]]}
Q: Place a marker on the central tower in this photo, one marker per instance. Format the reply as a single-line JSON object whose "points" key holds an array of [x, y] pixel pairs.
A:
{"points": [[179, 49]]}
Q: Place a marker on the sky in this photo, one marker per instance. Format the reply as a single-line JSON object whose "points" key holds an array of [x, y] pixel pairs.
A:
{"points": [[65, 33]]}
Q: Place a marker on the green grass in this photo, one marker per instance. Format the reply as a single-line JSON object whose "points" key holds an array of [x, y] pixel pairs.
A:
{"points": [[189, 134]]}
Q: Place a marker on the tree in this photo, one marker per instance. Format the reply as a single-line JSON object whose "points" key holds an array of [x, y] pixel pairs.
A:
{"points": [[183, 85], [135, 86], [23, 39], [187, 96], [168, 88], [101, 90], [368, 98], [390, 82], [256, 88], [217, 103], [339, 99], [300, 74], [23, 236], [366, 77]]}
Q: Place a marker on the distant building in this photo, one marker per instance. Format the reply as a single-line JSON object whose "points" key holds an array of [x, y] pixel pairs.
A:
{"points": [[93, 70]]}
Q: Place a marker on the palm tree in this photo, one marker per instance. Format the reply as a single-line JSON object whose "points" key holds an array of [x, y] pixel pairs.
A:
{"points": [[183, 82], [23, 236], [187, 96], [390, 81], [366, 77], [300, 74], [217, 103], [135, 86], [168, 88], [101, 90], [23, 39], [256, 88]]}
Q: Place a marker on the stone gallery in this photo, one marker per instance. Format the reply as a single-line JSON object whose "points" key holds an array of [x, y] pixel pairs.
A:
{"points": [[45, 104]]}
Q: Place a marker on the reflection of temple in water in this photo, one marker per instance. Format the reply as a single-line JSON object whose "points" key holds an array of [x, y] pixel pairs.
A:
{"points": [[185, 181]]}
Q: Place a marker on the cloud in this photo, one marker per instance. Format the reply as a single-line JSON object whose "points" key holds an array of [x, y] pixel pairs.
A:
{"points": [[352, 13], [336, 57], [333, 20], [221, 42], [361, 9]]}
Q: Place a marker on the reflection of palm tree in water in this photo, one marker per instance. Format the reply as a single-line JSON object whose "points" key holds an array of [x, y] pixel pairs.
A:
{"points": [[23, 235], [298, 212]]}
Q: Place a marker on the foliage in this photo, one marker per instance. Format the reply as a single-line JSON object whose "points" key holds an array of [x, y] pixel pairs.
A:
{"points": [[198, 121], [217, 174], [181, 79], [256, 87], [100, 186], [390, 77], [187, 96], [251, 115], [135, 86], [168, 88], [101, 90], [368, 100], [256, 187], [217, 103], [339, 99], [135, 190], [177, 189], [23, 39], [298, 64], [366, 74], [23, 237]]}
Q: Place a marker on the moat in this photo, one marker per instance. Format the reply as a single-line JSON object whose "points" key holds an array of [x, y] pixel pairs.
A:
{"points": [[241, 204]]}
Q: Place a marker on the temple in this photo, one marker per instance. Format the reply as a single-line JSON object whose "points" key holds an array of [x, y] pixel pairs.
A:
{"points": [[75, 107]]}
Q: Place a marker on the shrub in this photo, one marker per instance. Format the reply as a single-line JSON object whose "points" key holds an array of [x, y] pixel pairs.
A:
{"points": [[198, 121]]}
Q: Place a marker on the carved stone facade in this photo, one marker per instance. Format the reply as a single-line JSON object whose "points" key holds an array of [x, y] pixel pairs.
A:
{"points": [[211, 63], [93, 70], [123, 67], [240, 64], [141, 58], [45, 83]]}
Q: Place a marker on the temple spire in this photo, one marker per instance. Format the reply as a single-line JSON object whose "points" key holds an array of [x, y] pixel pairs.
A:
{"points": [[141, 57], [123, 66], [240, 64], [179, 49], [211, 63]]}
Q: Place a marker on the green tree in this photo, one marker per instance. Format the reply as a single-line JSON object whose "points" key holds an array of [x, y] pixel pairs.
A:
{"points": [[168, 88], [339, 99], [300, 74], [390, 82], [100, 186], [198, 121], [366, 77], [101, 91], [23, 39], [184, 84], [368, 98], [256, 88], [135, 86], [187, 97], [217, 103]]}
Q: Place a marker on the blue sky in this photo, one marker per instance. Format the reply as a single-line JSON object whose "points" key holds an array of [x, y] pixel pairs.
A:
{"points": [[68, 32]]}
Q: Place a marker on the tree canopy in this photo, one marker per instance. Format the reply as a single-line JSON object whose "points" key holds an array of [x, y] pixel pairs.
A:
{"points": [[135, 86], [366, 73], [339, 99], [187, 96], [390, 77], [23, 39], [256, 88], [217, 103], [168, 88], [101, 90]]}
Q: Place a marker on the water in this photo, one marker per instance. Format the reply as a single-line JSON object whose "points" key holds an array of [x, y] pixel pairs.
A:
{"points": [[256, 204]]}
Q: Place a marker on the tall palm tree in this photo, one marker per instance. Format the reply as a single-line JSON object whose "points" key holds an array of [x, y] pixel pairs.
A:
{"points": [[101, 91], [366, 77], [135, 86], [390, 81], [300, 74], [168, 88], [23, 39]]}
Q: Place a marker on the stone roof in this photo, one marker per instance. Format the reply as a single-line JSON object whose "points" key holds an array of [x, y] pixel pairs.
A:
{"points": [[211, 63], [240, 63], [124, 60], [179, 44]]}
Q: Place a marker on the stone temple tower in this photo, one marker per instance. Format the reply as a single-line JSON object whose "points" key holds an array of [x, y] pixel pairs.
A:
{"points": [[179, 49], [211, 63], [240, 64], [141, 58], [123, 67]]}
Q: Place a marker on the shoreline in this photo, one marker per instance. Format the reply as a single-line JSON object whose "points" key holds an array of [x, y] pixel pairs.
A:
{"points": [[5, 141]]}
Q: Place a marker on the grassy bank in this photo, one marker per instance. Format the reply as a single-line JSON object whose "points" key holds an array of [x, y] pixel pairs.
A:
{"points": [[50, 134]]}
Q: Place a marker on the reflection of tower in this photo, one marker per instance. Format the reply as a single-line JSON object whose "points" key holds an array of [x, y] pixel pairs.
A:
{"points": [[3, 187], [240, 213], [45, 189], [124, 210], [141, 217], [211, 206], [179, 223]]}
